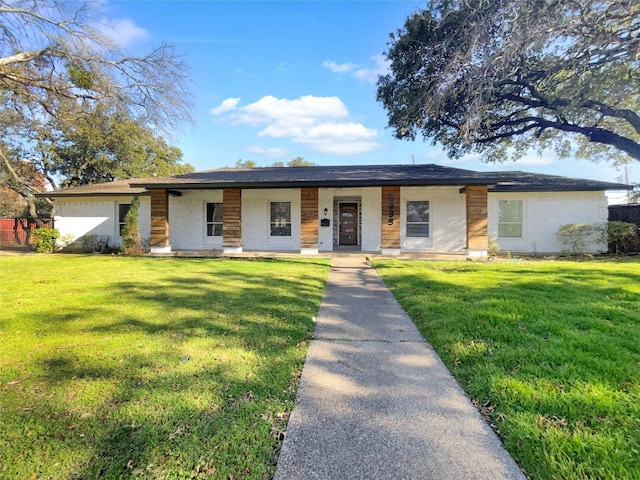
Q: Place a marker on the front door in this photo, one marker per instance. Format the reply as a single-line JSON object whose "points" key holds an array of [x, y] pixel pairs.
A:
{"points": [[348, 223]]}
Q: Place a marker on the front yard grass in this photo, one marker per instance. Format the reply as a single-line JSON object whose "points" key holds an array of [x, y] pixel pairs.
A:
{"points": [[549, 351], [115, 367]]}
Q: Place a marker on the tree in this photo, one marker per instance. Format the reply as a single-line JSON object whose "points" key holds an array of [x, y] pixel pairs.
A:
{"points": [[246, 164], [57, 70], [498, 76], [103, 146], [52, 51], [300, 162]]}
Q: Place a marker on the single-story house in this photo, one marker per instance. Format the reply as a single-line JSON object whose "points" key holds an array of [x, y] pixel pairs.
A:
{"points": [[387, 209]]}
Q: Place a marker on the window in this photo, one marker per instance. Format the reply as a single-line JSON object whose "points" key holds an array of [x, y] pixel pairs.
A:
{"points": [[214, 220], [417, 219], [123, 209], [510, 219], [280, 219]]}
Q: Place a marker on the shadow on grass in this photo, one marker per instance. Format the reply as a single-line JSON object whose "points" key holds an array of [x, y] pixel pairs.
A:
{"points": [[179, 375], [549, 351]]}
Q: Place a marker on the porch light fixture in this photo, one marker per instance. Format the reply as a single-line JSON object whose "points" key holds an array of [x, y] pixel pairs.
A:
{"points": [[326, 212]]}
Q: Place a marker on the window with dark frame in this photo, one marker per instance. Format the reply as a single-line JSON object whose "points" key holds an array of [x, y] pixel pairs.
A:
{"points": [[123, 209], [510, 219], [417, 220], [214, 220], [280, 219]]}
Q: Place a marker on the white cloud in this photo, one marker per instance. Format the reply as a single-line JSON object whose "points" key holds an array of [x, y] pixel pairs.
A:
{"points": [[123, 31], [226, 106], [365, 74], [321, 123], [339, 67], [272, 152]]}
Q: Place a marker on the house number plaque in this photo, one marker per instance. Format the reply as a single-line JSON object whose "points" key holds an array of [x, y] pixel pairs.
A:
{"points": [[391, 206]]}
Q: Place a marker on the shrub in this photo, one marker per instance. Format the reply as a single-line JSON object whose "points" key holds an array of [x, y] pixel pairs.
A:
{"points": [[578, 236], [43, 240], [131, 239], [622, 237]]}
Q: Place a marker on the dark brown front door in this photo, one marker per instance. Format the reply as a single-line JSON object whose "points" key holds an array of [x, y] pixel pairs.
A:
{"points": [[348, 224]]}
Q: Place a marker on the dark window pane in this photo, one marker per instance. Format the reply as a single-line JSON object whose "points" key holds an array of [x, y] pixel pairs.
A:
{"points": [[214, 212], [280, 230], [417, 230], [123, 209], [418, 212], [280, 219]]}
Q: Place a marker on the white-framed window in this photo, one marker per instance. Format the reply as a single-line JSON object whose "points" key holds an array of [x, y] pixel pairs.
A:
{"points": [[417, 219], [213, 219], [123, 209], [510, 218], [280, 219]]}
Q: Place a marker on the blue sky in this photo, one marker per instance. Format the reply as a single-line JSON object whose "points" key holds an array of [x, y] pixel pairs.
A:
{"points": [[276, 80]]}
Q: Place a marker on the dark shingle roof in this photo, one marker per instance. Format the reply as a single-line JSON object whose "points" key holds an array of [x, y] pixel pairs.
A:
{"points": [[321, 176], [516, 181], [343, 176]]}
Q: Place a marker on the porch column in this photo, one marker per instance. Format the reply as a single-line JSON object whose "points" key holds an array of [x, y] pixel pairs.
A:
{"points": [[159, 242], [477, 221], [232, 220], [309, 221], [390, 221]]}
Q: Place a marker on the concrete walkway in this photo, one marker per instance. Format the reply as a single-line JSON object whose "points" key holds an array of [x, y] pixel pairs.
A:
{"points": [[375, 402]]}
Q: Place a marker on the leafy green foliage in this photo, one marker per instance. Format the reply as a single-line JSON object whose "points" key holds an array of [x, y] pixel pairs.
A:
{"points": [[294, 162], [548, 351], [43, 240], [622, 236], [80, 76], [108, 145], [131, 238], [578, 236], [502, 76], [135, 367]]}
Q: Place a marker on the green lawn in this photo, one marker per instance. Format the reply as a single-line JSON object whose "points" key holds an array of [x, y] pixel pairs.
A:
{"points": [[549, 350], [115, 367]]}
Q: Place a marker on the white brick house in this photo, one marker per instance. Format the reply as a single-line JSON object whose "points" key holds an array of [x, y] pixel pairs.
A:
{"points": [[387, 209]]}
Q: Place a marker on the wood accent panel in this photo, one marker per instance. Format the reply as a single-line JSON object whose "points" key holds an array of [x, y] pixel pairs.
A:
{"points": [[390, 217], [232, 217], [477, 213], [159, 218], [309, 218]]}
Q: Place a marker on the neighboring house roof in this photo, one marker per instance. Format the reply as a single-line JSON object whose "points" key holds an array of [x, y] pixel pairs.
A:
{"points": [[342, 176]]}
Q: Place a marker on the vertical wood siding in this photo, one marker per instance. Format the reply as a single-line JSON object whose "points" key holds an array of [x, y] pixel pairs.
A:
{"points": [[390, 217], [309, 218], [232, 217], [159, 218], [477, 217]]}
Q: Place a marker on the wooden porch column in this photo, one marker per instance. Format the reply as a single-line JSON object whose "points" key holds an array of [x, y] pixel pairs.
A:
{"points": [[159, 241], [309, 221], [390, 220], [477, 221], [232, 220]]}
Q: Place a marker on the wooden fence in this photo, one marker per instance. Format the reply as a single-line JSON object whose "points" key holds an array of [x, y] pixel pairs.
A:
{"points": [[15, 232]]}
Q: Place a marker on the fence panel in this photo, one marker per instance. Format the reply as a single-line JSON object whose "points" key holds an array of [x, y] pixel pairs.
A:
{"points": [[14, 232]]}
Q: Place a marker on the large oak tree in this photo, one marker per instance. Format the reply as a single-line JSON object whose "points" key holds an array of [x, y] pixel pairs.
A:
{"points": [[503, 76]]}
